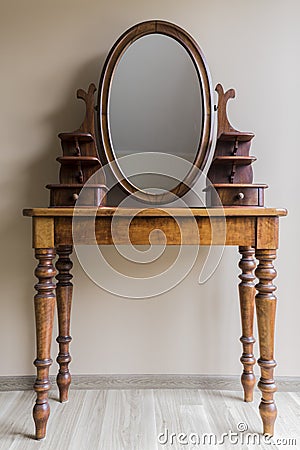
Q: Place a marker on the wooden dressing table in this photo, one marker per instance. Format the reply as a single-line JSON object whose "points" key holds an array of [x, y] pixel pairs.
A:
{"points": [[235, 213], [253, 230]]}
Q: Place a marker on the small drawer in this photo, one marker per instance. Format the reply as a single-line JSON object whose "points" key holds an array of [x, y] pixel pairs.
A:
{"points": [[236, 196], [67, 196]]}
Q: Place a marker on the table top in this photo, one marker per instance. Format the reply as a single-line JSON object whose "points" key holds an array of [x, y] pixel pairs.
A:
{"points": [[156, 212]]}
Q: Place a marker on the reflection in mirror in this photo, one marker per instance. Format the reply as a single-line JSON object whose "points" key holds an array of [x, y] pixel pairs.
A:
{"points": [[155, 105]]}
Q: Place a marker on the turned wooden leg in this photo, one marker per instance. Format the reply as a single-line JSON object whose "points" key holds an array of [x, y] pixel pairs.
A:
{"points": [[44, 302], [266, 309], [64, 290], [247, 296]]}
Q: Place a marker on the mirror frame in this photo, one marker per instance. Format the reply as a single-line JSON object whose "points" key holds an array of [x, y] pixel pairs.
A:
{"points": [[102, 121]]}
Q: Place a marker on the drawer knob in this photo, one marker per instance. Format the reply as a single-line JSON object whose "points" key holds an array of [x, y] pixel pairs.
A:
{"points": [[75, 197], [240, 196]]}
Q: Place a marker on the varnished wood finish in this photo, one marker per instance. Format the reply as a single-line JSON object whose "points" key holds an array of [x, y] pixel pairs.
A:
{"points": [[247, 295], [267, 233], [179, 231], [80, 161], [246, 227], [244, 223], [230, 174], [42, 232], [64, 291], [206, 125], [266, 308], [236, 195], [44, 302], [156, 212], [241, 225]]}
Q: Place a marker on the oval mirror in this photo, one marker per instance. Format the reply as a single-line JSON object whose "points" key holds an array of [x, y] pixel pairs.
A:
{"points": [[155, 111]]}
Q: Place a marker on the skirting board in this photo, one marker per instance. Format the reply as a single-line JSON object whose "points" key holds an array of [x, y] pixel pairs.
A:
{"points": [[153, 381]]}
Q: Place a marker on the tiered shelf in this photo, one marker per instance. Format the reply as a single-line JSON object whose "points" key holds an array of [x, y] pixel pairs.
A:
{"points": [[230, 174], [79, 162]]}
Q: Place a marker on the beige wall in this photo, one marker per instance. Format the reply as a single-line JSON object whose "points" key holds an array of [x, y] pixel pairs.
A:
{"points": [[48, 50]]}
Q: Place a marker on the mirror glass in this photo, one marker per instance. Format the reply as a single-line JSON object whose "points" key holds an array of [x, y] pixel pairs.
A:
{"points": [[155, 105]]}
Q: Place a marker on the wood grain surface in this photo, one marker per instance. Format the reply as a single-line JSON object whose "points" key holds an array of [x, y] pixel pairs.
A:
{"points": [[132, 419], [110, 211]]}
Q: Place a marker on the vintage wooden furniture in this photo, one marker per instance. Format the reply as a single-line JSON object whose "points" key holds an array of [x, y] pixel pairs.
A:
{"points": [[100, 140], [254, 230], [80, 161], [230, 173]]}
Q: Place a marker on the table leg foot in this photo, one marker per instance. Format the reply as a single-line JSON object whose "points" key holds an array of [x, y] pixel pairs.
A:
{"points": [[44, 302], [247, 296], [266, 310], [64, 291]]}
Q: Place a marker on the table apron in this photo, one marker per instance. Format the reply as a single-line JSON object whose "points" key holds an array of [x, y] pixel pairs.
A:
{"points": [[259, 232]]}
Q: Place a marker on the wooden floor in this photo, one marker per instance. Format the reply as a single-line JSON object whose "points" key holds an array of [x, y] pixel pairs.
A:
{"points": [[133, 419]]}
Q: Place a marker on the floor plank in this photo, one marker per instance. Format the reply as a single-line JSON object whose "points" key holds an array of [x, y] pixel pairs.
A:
{"points": [[140, 419]]}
